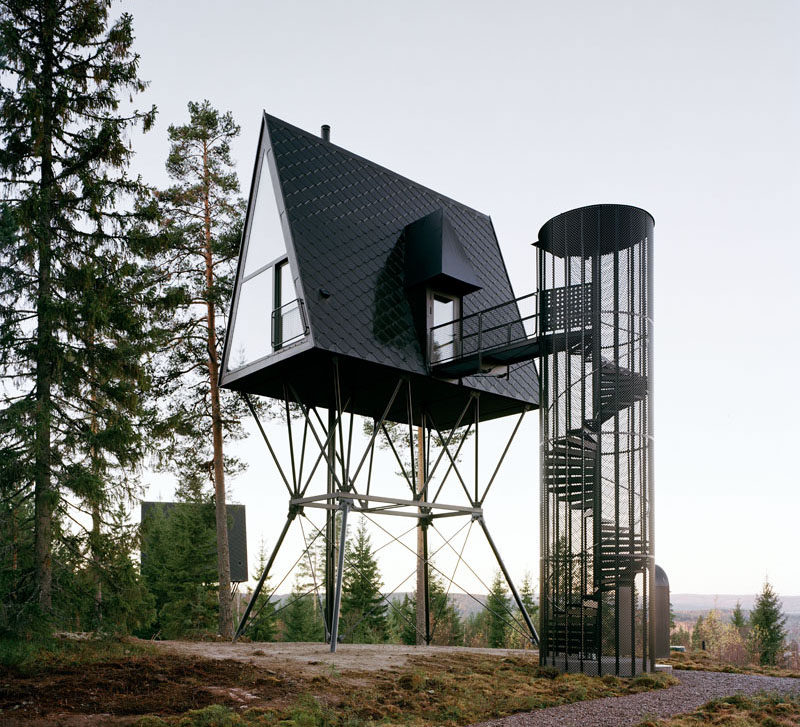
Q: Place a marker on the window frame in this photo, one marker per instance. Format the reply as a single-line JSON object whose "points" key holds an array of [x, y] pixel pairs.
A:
{"points": [[276, 322], [261, 183], [431, 297]]}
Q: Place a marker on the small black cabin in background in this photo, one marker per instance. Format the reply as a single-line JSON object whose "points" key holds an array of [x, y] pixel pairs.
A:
{"points": [[237, 532]]}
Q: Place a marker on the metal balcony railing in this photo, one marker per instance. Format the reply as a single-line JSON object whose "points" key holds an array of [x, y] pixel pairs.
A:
{"points": [[289, 323], [502, 325]]}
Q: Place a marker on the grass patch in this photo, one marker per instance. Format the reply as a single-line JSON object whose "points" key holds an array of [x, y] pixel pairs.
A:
{"points": [[703, 661], [761, 710], [158, 689], [29, 656], [451, 690]]}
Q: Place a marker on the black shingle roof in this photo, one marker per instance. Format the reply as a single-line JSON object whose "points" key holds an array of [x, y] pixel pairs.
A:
{"points": [[346, 216]]}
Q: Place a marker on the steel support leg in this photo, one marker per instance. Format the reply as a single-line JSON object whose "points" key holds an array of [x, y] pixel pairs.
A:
{"points": [[339, 571], [426, 589], [291, 516], [330, 528], [512, 587]]}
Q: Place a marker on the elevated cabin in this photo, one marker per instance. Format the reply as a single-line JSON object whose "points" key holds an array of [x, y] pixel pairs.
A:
{"points": [[344, 260]]}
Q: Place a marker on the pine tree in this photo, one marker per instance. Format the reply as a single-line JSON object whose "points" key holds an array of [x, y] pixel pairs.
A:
{"points": [[126, 604], [263, 627], [497, 605], [446, 627], [738, 619], [179, 566], [363, 607], [203, 217], [72, 366], [302, 616], [476, 629], [710, 630], [680, 637], [698, 634], [767, 621], [300, 621], [526, 593], [402, 621]]}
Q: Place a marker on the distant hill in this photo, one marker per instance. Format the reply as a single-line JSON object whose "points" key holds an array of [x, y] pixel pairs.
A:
{"points": [[688, 603], [725, 602], [466, 604]]}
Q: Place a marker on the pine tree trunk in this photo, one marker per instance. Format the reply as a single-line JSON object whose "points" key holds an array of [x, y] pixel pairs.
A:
{"points": [[95, 535], [14, 552], [421, 565], [223, 556], [98, 583], [44, 495]]}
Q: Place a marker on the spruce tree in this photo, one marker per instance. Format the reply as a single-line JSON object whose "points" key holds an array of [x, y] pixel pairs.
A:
{"points": [[72, 367], [179, 566], [125, 603], [738, 619], [497, 605], [526, 593], [767, 621], [203, 217], [476, 629], [300, 618], [363, 607], [264, 624], [402, 621], [301, 615], [446, 626]]}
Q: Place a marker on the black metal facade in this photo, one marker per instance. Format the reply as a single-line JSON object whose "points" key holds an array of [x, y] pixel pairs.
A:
{"points": [[347, 224], [595, 317]]}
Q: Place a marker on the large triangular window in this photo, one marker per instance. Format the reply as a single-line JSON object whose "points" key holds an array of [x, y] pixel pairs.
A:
{"points": [[267, 313]]}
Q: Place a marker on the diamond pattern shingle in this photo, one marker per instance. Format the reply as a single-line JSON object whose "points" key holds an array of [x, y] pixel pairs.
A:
{"points": [[346, 216]]}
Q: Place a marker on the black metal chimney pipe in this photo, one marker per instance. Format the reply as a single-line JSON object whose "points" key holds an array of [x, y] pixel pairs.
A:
{"points": [[326, 132]]}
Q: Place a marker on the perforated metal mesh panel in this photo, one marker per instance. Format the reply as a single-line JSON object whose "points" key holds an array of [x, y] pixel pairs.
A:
{"points": [[596, 568]]}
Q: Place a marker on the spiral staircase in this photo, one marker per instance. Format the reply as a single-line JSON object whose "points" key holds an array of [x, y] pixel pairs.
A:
{"points": [[614, 553]]}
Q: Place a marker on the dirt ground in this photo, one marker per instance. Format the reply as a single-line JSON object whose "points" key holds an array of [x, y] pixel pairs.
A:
{"points": [[177, 676], [315, 658]]}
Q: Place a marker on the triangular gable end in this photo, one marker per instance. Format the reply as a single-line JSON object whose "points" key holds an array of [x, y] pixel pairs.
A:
{"points": [[266, 314]]}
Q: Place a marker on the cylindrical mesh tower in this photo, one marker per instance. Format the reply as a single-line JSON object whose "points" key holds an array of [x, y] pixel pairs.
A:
{"points": [[595, 318]]}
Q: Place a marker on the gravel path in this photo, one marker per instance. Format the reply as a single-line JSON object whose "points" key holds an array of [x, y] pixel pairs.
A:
{"points": [[696, 688]]}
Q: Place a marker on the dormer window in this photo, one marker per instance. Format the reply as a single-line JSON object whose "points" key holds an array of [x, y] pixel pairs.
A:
{"points": [[438, 274]]}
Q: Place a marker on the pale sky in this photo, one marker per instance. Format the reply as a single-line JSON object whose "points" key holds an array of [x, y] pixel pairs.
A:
{"points": [[524, 110]]}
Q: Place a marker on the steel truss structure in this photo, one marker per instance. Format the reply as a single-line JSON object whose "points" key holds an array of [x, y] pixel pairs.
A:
{"points": [[349, 476]]}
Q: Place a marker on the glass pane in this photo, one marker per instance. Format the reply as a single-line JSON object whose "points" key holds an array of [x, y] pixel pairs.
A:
{"points": [[250, 339], [286, 292], [444, 338], [443, 310], [265, 241]]}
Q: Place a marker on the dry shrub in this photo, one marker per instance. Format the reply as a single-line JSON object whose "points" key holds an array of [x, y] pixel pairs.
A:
{"points": [[732, 648]]}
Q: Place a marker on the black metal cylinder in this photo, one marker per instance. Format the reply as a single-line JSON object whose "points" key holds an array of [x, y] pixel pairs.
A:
{"points": [[595, 324]]}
